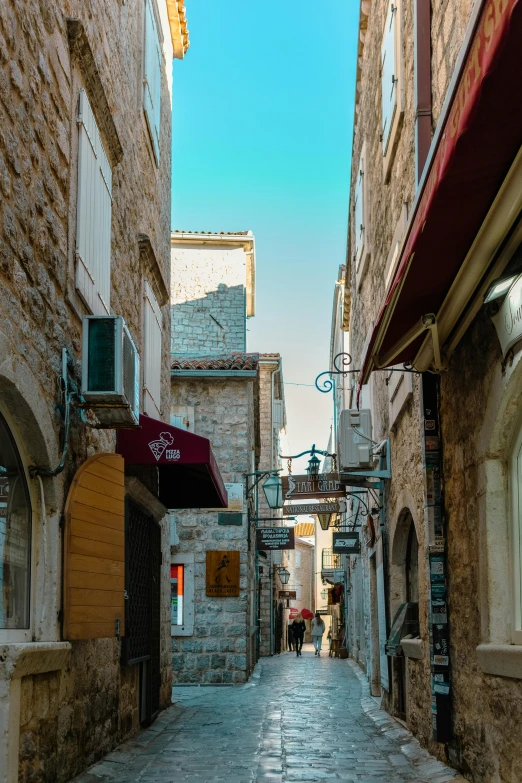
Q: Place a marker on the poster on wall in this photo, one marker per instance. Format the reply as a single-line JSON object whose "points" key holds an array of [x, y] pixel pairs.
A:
{"points": [[222, 573]]}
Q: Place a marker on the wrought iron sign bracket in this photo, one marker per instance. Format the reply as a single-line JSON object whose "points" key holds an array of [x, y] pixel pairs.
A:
{"points": [[344, 359]]}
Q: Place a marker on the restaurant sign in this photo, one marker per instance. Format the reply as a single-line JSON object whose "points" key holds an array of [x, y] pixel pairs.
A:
{"points": [[269, 538], [311, 508], [291, 594], [324, 485], [508, 320], [346, 543], [222, 573]]}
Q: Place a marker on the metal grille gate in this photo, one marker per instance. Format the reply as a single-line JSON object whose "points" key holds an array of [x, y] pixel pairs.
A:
{"points": [[141, 644]]}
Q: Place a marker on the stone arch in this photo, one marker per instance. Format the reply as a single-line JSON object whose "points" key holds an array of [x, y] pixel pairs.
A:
{"points": [[501, 424], [405, 535], [21, 396]]}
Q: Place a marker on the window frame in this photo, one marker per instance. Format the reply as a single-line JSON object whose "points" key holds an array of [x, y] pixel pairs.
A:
{"points": [[516, 537], [151, 12], [150, 405], [389, 144], [17, 635], [97, 295]]}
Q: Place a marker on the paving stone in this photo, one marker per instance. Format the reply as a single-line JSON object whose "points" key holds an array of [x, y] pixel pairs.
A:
{"points": [[296, 721]]}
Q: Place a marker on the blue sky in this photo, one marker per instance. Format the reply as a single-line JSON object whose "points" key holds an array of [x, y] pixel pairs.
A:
{"points": [[263, 112]]}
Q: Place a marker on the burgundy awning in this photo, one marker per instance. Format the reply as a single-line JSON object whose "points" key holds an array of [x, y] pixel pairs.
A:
{"points": [[480, 138], [188, 473]]}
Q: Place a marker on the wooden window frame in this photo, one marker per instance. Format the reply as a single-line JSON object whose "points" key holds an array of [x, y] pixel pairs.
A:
{"points": [[389, 144]]}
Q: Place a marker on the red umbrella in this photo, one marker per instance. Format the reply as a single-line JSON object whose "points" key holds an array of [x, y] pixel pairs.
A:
{"points": [[307, 614]]}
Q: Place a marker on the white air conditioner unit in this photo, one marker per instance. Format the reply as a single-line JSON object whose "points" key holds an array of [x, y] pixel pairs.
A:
{"points": [[355, 444], [110, 371]]}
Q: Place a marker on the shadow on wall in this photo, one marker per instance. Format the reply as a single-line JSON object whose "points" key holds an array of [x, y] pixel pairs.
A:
{"points": [[213, 324]]}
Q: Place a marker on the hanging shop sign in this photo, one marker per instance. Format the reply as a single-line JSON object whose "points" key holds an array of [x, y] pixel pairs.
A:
{"points": [[346, 543], [311, 508], [508, 320], [324, 485], [268, 538], [222, 573], [292, 594]]}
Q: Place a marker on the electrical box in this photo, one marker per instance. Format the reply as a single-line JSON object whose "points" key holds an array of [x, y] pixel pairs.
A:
{"points": [[110, 371], [355, 444]]}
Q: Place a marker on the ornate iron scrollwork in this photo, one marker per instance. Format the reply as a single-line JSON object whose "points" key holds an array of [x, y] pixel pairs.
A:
{"points": [[341, 364]]}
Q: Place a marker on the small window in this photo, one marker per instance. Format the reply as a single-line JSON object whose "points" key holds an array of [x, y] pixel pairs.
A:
{"points": [[15, 536], [93, 214], [182, 416], [152, 326], [152, 78], [298, 559]]}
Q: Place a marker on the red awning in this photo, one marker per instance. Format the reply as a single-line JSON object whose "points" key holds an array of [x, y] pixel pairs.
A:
{"points": [[480, 138], [187, 471]]}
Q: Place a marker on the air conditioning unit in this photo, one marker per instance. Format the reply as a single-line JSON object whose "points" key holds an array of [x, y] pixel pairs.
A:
{"points": [[110, 371], [355, 444]]}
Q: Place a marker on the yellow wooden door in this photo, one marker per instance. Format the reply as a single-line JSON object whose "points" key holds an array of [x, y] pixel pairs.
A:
{"points": [[94, 561]]}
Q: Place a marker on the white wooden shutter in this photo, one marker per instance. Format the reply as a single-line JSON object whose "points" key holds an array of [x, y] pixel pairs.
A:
{"points": [[93, 214], [389, 74], [152, 77], [152, 324], [359, 215], [182, 416]]}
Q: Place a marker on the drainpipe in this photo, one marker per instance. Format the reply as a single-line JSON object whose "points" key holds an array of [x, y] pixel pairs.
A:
{"points": [[422, 88]]}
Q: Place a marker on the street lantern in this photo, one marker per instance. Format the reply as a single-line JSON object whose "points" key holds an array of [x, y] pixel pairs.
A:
{"points": [[284, 575], [273, 489], [324, 520], [313, 466]]}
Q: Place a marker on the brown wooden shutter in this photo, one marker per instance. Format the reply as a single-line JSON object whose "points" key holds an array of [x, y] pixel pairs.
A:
{"points": [[94, 561]]}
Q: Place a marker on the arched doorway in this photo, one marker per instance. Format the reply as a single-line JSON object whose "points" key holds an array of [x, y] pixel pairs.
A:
{"points": [[15, 536]]}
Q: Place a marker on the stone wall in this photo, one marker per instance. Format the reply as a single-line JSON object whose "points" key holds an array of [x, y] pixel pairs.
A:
{"points": [[219, 650], [487, 708], [43, 64], [208, 299], [388, 200]]}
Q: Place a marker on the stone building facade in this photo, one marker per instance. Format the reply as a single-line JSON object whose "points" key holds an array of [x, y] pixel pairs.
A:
{"points": [[71, 75], [236, 398], [448, 527]]}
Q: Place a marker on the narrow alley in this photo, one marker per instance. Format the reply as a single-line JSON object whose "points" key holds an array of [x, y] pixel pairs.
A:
{"points": [[303, 720]]}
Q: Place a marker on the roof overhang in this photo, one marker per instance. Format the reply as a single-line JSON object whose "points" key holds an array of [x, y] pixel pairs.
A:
{"points": [[467, 204], [188, 475], [178, 27]]}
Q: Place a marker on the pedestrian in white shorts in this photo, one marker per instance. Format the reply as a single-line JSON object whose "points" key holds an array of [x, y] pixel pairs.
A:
{"points": [[318, 628]]}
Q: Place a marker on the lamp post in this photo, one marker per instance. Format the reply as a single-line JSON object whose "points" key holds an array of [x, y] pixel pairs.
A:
{"points": [[273, 489], [284, 575], [313, 466]]}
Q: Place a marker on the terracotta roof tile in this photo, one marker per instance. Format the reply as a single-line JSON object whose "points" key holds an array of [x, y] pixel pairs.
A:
{"points": [[215, 233], [231, 361], [304, 529]]}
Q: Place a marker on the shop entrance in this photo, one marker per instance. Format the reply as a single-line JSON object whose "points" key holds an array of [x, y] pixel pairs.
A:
{"points": [[141, 644]]}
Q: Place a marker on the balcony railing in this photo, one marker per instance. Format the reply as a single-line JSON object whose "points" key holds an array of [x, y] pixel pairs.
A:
{"points": [[329, 560]]}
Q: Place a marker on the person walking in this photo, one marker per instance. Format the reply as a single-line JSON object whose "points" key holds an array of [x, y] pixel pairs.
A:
{"points": [[290, 637], [318, 628], [298, 628]]}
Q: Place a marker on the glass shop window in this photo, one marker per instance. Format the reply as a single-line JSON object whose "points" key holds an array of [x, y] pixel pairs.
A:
{"points": [[176, 594], [15, 536]]}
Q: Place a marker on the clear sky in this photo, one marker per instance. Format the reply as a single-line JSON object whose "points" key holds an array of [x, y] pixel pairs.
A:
{"points": [[263, 114]]}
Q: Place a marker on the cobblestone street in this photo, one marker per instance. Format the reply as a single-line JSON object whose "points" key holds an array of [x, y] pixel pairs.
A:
{"points": [[305, 719]]}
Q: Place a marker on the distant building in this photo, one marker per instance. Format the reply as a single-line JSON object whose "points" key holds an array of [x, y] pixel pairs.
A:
{"points": [[236, 399]]}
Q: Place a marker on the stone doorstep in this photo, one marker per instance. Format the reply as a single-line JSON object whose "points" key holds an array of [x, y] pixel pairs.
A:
{"points": [[435, 770]]}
